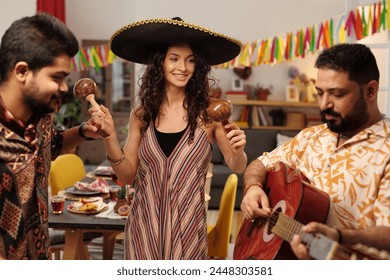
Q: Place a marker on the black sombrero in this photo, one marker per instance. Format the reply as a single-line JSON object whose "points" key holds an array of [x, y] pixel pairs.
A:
{"points": [[135, 42]]}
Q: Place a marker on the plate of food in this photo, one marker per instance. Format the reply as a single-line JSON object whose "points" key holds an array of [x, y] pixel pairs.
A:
{"points": [[73, 190], [99, 186], [87, 206], [105, 171]]}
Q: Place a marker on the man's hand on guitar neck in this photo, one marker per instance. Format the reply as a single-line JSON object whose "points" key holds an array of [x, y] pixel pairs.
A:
{"points": [[300, 249], [368, 243]]}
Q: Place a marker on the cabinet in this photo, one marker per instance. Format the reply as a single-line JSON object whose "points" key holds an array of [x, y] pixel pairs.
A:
{"points": [[255, 114], [116, 85]]}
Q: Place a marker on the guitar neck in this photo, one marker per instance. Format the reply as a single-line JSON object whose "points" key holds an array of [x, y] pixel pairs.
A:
{"points": [[320, 247]]}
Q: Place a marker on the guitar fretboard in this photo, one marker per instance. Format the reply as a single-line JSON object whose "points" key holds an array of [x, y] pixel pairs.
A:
{"points": [[286, 227], [320, 247]]}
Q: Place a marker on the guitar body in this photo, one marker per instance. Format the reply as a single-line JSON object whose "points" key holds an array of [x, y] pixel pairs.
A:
{"points": [[289, 192]]}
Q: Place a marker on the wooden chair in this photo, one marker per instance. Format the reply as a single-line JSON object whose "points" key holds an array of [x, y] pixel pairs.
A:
{"points": [[219, 234]]}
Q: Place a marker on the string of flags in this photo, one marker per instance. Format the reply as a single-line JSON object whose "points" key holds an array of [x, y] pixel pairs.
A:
{"points": [[355, 25], [92, 57]]}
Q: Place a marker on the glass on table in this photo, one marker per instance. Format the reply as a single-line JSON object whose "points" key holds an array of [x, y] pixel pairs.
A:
{"points": [[57, 204], [114, 189]]}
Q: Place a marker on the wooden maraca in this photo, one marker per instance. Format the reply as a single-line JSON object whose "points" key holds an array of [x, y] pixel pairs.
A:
{"points": [[220, 110], [85, 89]]}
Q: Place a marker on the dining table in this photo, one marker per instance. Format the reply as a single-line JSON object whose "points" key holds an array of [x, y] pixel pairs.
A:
{"points": [[76, 225]]}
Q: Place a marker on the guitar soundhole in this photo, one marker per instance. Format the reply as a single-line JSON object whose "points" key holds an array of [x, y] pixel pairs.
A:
{"points": [[273, 219]]}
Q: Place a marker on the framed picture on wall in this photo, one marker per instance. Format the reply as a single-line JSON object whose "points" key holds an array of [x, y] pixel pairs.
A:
{"points": [[237, 84], [292, 93]]}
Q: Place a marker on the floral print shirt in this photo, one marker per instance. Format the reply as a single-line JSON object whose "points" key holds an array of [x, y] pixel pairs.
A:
{"points": [[356, 175]]}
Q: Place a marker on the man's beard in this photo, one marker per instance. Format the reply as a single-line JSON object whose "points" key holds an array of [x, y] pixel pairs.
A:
{"points": [[355, 119], [38, 108]]}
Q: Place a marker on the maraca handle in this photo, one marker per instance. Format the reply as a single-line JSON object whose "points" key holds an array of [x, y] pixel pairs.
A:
{"points": [[91, 99], [225, 122]]}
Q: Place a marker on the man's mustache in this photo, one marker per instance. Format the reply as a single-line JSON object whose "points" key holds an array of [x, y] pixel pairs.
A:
{"points": [[330, 112]]}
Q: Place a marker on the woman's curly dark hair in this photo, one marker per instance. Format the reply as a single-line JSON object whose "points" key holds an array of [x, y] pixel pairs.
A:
{"points": [[152, 86]]}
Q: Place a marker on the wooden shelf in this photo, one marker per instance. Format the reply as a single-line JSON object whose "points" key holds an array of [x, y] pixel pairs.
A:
{"points": [[245, 123], [272, 127], [274, 103]]}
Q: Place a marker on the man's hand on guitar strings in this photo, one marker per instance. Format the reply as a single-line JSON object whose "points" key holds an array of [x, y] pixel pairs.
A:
{"points": [[255, 204]]}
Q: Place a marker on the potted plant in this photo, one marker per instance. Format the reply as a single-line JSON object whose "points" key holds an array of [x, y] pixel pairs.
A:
{"points": [[120, 198], [261, 93]]}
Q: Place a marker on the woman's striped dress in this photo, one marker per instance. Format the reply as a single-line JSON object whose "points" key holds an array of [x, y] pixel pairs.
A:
{"points": [[168, 217]]}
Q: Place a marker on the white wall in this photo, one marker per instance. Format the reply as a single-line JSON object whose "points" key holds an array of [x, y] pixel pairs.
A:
{"points": [[11, 10], [247, 20]]}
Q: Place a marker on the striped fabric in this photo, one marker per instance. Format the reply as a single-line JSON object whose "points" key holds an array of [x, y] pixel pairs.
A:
{"points": [[168, 216]]}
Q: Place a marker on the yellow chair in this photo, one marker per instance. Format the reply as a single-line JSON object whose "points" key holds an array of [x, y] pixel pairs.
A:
{"points": [[219, 234], [65, 170]]}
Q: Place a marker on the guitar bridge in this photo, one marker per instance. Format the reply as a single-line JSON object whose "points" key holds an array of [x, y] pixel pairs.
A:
{"points": [[255, 223]]}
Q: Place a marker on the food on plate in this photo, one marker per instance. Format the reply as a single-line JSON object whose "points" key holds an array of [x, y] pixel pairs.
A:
{"points": [[87, 204], [124, 210], [104, 171], [99, 185]]}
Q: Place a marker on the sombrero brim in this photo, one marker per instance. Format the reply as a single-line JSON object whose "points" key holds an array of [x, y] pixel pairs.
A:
{"points": [[136, 41]]}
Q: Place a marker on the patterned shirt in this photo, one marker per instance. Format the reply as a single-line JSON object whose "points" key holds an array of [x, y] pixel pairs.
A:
{"points": [[356, 175], [25, 157]]}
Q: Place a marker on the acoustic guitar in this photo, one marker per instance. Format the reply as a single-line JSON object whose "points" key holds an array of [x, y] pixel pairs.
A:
{"points": [[294, 202], [289, 192]]}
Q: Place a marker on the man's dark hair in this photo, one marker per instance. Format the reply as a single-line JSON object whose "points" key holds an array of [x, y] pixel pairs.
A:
{"points": [[355, 59], [37, 40]]}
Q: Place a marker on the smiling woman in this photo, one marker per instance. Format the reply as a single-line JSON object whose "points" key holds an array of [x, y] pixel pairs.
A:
{"points": [[179, 66], [168, 150]]}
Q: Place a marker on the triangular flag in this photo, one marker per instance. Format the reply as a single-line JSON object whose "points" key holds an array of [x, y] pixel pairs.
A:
{"points": [[331, 32], [320, 34], [282, 47], [288, 46], [313, 38], [388, 15], [374, 24], [350, 23], [358, 26], [364, 23], [342, 32], [272, 50]]}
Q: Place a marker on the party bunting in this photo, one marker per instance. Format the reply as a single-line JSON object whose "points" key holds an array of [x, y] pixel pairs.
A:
{"points": [[354, 25], [93, 57]]}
